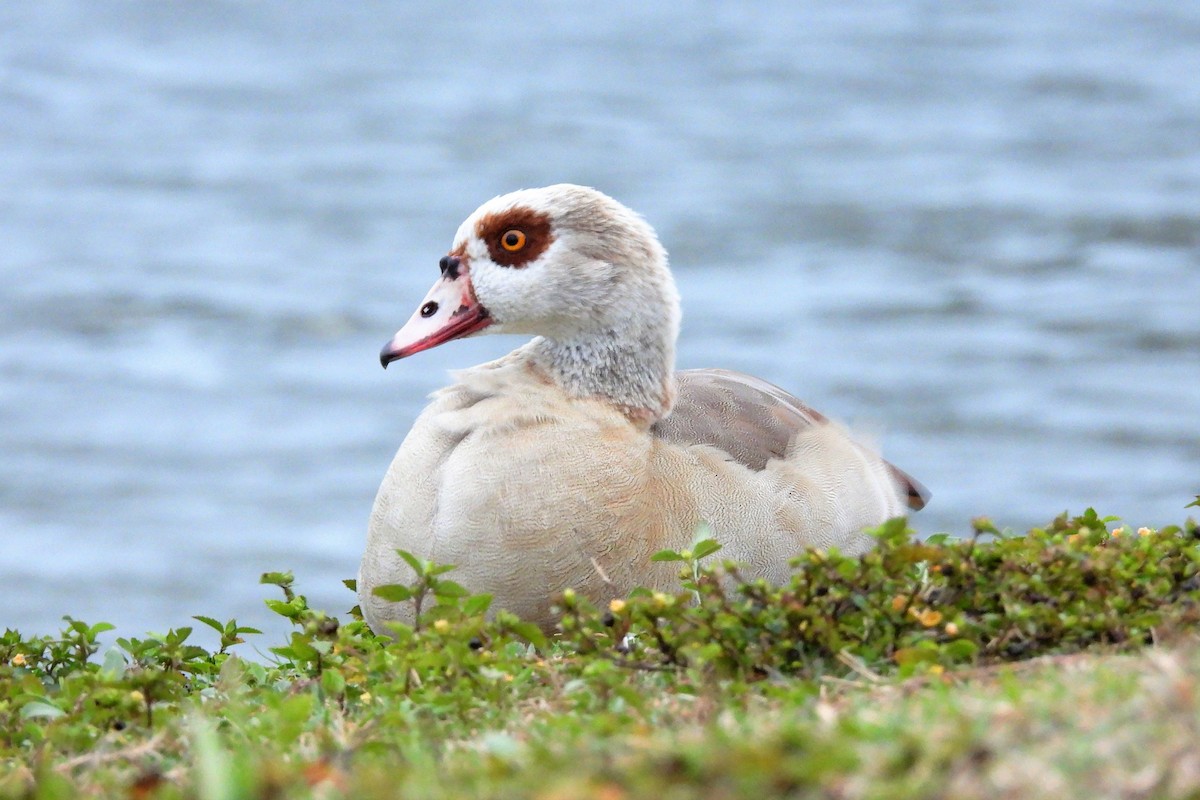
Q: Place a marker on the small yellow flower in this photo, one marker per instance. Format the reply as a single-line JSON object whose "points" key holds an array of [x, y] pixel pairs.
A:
{"points": [[927, 617], [661, 599], [1144, 531], [1075, 538], [616, 606], [1117, 532], [18, 660], [137, 696], [365, 697], [898, 602], [441, 626], [951, 629], [936, 669]]}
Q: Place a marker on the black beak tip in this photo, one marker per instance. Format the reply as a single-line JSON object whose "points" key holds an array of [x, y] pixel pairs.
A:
{"points": [[385, 356]]}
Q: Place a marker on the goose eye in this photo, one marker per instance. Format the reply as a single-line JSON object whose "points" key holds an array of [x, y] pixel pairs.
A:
{"points": [[513, 240]]}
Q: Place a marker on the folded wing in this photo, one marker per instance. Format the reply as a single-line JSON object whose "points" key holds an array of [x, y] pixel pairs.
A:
{"points": [[751, 420]]}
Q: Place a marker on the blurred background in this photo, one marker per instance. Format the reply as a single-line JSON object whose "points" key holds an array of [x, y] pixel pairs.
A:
{"points": [[971, 229]]}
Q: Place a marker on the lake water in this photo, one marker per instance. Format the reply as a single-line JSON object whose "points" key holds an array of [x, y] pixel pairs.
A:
{"points": [[971, 228]]}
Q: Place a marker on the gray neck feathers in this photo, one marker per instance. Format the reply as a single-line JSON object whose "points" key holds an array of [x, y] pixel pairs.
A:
{"points": [[634, 372]]}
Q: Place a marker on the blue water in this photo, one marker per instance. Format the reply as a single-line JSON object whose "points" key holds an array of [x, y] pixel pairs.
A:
{"points": [[972, 229]]}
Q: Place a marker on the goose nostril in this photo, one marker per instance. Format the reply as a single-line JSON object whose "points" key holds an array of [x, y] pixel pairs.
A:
{"points": [[450, 265], [429, 309]]}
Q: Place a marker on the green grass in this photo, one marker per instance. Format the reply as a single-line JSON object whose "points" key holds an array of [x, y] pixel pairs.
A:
{"points": [[1062, 663]]}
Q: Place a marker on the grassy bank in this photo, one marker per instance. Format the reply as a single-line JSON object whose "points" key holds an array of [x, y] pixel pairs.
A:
{"points": [[1062, 663]]}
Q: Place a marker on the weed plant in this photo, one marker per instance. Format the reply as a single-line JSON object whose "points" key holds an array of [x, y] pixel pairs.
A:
{"points": [[730, 687]]}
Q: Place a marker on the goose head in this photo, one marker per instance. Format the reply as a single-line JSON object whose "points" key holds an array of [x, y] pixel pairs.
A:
{"points": [[575, 268]]}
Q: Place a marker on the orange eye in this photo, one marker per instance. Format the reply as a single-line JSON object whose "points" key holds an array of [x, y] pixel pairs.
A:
{"points": [[513, 240]]}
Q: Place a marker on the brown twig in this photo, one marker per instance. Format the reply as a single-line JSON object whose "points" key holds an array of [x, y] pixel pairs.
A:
{"points": [[95, 758]]}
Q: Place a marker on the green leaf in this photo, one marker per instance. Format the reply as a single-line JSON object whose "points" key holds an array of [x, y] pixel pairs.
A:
{"points": [[283, 608], [1195, 503], [351, 584], [393, 592], [277, 578], [450, 589], [300, 649], [476, 604], [961, 649], [210, 622], [529, 632], [922, 652], [666, 555], [983, 525], [412, 561], [705, 547], [178, 636], [333, 682]]}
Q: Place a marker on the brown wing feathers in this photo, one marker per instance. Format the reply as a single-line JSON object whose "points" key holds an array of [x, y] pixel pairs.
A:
{"points": [[751, 420]]}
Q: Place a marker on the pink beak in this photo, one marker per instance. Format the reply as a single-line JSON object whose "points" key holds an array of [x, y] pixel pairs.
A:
{"points": [[449, 311]]}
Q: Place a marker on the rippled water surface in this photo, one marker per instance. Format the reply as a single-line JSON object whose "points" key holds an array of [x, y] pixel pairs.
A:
{"points": [[971, 228]]}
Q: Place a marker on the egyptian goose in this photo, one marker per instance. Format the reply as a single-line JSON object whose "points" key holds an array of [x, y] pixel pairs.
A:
{"points": [[573, 459]]}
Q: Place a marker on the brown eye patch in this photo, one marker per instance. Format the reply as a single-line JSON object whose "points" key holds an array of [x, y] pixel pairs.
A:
{"points": [[515, 237]]}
